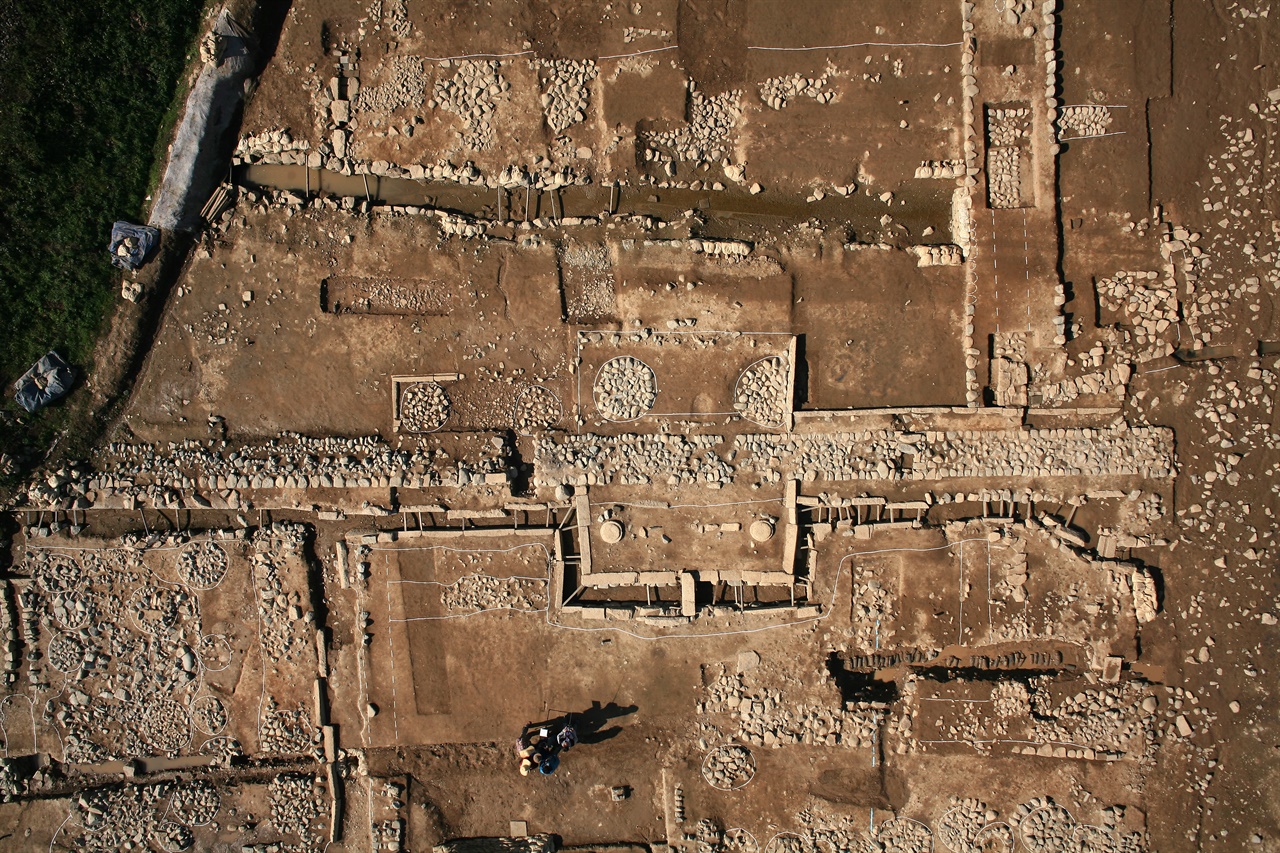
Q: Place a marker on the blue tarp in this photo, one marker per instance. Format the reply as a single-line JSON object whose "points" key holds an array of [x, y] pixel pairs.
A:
{"points": [[131, 244], [49, 379]]}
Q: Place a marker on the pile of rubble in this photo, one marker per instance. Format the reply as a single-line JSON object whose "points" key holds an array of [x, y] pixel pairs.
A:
{"points": [[202, 565], [121, 817], [761, 393], [589, 459], [424, 407], [1115, 720], [272, 147], [212, 473], [706, 137], [282, 731], [405, 87], [960, 824], [777, 91], [1043, 826], [536, 409], [904, 835], [1116, 451], [1004, 177], [872, 611], [1008, 126], [564, 98], [479, 593], [471, 94], [282, 615], [729, 767], [1142, 299], [209, 715], [1112, 380], [766, 718], [297, 801], [625, 389], [195, 803], [1083, 121], [120, 647]]}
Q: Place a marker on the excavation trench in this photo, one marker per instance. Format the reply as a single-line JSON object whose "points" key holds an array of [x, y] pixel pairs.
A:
{"points": [[927, 204]]}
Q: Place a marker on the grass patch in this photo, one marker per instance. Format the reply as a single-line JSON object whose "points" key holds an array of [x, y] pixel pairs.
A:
{"points": [[87, 101]]}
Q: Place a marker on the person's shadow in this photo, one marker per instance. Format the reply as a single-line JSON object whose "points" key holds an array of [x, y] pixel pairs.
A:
{"points": [[591, 723]]}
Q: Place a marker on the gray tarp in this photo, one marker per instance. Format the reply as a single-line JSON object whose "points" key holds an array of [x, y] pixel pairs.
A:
{"points": [[131, 244], [48, 379]]}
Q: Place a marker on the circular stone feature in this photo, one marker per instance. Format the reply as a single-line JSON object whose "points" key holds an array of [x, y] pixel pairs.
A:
{"points": [[424, 407], [728, 767], [611, 532], [536, 409], [625, 389], [995, 838], [166, 726], [66, 653], [202, 564], [209, 715], [761, 530], [214, 651]]}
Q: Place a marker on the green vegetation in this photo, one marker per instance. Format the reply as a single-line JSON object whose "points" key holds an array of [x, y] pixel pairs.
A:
{"points": [[86, 95]]}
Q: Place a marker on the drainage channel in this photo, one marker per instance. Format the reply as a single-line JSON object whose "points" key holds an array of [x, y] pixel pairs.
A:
{"points": [[923, 205]]}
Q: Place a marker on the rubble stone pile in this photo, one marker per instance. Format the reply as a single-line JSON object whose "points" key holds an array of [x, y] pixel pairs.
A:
{"points": [[1143, 300], [1083, 121], [625, 389], [729, 767], [403, 89], [707, 136], [424, 407], [589, 459], [777, 91], [206, 473], [536, 409], [202, 565], [476, 593], [903, 835], [272, 147], [297, 801], [566, 90], [959, 827], [766, 718], [471, 94], [761, 393]]}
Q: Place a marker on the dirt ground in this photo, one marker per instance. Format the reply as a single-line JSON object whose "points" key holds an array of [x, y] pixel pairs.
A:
{"points": [[756, 414]]}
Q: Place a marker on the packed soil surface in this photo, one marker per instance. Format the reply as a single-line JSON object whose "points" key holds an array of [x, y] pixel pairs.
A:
{"points": [[856, 424]]}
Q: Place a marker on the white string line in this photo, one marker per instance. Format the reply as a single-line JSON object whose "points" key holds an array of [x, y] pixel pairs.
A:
{"points": [[391, 644], [59, 829], [641, 52], [459, 616], [476, 56], [862, 44], [1012, 740], [1093, 136], [530, 52], [472, 575], [1104, 106]]}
